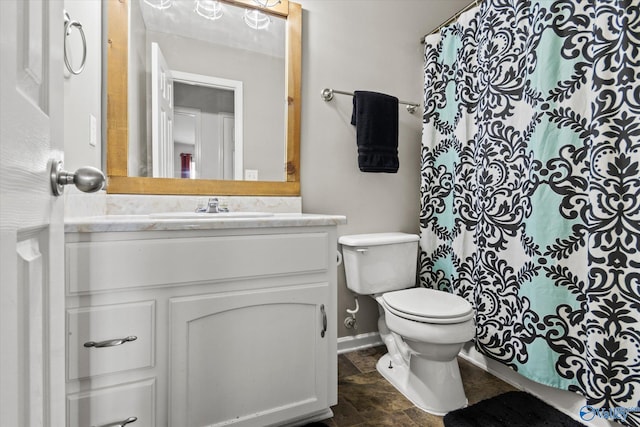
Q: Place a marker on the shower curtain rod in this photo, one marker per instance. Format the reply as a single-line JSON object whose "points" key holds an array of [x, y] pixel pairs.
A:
{"points": [[452, 19], [327, 95]]}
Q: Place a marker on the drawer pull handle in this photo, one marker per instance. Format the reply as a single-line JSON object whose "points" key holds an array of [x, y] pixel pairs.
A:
{"points": [[110, 343], [121, 423], [324, 321]]}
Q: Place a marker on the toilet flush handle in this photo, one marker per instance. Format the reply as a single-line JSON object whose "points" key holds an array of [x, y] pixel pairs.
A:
{"points": [[362, 250]]}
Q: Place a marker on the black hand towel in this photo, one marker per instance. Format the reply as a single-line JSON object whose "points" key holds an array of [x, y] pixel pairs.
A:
{"points": [[375, 116]]}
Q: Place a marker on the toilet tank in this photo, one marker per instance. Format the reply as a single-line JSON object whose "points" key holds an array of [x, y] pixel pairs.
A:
{"points": [[380, 262]]}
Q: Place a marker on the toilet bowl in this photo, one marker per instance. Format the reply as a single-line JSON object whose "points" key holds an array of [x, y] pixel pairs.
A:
{"points": [[423, 329]]}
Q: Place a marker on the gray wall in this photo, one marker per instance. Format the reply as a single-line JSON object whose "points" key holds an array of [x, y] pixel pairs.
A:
{"points": [[371, 45], [82, 93]]}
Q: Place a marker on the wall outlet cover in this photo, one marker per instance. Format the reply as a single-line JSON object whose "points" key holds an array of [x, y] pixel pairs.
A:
{"points": [[250, 175]]}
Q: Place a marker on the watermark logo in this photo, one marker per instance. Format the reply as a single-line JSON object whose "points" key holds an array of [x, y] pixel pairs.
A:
{"points": [[588, 413]]}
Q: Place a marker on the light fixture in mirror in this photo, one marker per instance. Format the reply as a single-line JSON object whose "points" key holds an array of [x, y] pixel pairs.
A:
{"points": [[256, 19], [126, 177], [209, 9]]}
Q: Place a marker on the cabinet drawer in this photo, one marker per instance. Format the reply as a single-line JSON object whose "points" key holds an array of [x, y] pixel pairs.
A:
{"points": [[109, 265], [113, 405], [108, 323]]}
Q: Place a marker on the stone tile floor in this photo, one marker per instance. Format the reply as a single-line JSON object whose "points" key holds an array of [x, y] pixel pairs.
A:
{"points": [[365, 398]]}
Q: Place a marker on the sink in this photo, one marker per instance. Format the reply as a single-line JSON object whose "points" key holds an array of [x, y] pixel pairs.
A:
{"points": [[204, 215]]}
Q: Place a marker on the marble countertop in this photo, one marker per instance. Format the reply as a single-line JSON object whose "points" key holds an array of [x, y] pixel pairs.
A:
{"points": [[115, 223]]}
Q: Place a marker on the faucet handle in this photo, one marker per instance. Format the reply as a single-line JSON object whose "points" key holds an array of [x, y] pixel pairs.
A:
{"points": [[201, 205]]}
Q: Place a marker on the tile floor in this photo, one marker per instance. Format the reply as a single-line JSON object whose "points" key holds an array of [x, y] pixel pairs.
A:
{"points": [[365, 398]]}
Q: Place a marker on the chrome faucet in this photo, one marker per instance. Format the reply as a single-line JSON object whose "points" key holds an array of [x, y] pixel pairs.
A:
{"points": [[213, 206]]}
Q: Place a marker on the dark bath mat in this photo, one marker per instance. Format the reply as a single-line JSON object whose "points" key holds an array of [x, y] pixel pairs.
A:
{"points": [[512, 409]]}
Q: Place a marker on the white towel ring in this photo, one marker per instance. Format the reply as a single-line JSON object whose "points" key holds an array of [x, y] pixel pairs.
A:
{"points": [[68, 25]]}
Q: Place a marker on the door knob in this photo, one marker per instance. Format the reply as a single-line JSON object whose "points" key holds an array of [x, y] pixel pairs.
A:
{"points": [[87, 179]]}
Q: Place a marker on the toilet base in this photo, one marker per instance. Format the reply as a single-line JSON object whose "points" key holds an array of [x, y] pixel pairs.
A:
{"points": [[433, 386]]}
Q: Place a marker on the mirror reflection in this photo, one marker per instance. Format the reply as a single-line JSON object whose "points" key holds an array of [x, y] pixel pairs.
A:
{"points": [[204, 128], [207, 96]]}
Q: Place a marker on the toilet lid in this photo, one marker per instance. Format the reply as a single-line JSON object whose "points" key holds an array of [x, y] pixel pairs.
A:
{"points": [[428, 305]]}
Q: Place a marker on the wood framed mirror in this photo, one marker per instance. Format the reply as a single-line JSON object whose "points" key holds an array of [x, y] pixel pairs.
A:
{"points": [[119, 180]]}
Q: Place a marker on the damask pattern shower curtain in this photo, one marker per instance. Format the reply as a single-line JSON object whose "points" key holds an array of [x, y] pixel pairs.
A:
{"points": [[530, 188]]}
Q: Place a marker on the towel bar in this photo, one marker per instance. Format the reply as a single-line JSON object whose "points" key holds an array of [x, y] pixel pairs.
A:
{"points": [[327, 95]]}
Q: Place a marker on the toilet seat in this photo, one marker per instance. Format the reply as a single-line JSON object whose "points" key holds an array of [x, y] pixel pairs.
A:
{"points": [[428, 306]]}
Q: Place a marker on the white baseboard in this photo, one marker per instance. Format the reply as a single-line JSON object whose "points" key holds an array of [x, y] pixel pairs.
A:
{"points": [[358, 342]]}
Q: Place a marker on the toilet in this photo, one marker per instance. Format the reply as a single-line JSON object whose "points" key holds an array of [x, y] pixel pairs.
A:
{"points": [[423, 329]]}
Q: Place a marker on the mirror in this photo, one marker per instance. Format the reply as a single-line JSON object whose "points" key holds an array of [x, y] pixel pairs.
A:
{"points": [[245, 144]]}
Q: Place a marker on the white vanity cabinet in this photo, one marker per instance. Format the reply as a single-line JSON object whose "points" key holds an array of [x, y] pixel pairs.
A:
{"points": [[207, 327]]}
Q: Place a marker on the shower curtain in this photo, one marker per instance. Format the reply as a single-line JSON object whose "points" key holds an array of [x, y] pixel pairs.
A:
{"points": [[530, 187]]}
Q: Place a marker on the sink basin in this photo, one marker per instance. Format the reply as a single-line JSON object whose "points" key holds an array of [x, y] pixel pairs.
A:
{"points": [[204, 215]]}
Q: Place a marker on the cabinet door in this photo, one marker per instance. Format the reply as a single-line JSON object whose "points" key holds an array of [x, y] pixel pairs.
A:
{"points": [[251, 358]]}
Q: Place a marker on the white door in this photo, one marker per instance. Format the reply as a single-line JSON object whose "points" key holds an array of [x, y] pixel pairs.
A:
{"points": [[227, 133], [161, 114], [31, 219]]}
